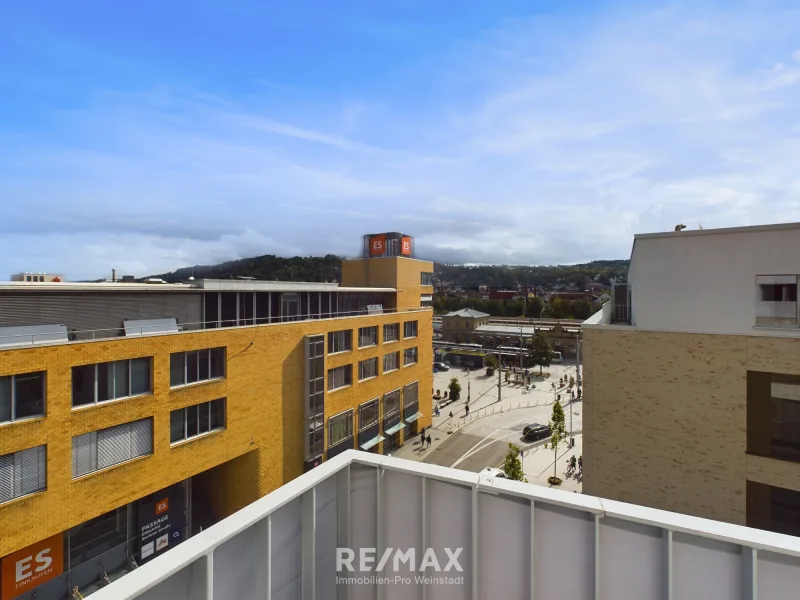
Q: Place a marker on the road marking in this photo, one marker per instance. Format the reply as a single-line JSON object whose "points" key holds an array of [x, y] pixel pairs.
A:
{"points": [[475, 448]]}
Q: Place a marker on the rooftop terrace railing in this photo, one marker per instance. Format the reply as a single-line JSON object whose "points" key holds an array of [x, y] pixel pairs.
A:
{"points": [[508, 540], [74, 335]]}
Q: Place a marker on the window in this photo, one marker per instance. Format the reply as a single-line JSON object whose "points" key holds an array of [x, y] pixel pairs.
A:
{"points": [[22, 396], [367, 368], [391, 362], [196, 365], [411, 394], [290, 305], [189, 422], [340, 341], [340, 377], [391, 402], [105, 448], [410, 329], [779, 292], [340, 427], [777, 301], [111, 380], [368, 414], [426, 303], [23, 473], [409, 356], [391, 332], [426, 278], [367, 336]]}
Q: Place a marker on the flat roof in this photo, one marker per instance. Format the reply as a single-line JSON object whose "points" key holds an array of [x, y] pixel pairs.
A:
{"points": [[718, 230], [194, 286]]}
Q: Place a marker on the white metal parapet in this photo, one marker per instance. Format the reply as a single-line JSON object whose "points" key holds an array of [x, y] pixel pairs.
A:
{"points": [[517, 541]]}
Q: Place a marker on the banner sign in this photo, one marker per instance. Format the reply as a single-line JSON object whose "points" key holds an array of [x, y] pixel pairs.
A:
{"points": [[161, 522]]}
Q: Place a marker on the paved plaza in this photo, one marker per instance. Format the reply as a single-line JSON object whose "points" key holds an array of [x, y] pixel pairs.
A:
{"points": [[481, 439]]}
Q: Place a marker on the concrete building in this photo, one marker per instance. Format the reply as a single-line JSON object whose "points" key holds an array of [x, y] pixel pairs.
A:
{"points": [[692, 378], [133, 415]]}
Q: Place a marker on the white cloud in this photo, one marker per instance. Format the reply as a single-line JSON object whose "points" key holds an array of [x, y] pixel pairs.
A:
{"points": [[556, 143]]}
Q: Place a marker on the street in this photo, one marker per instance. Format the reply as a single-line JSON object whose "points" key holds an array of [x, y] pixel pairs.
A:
{"points": [[481, 440]]}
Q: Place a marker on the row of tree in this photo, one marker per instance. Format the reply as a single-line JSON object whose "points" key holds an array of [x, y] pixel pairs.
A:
{"points": [[510, 276], [533, 308]]}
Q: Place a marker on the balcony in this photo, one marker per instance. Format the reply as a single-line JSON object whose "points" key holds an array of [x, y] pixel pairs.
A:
{"points": [[511, 541]]}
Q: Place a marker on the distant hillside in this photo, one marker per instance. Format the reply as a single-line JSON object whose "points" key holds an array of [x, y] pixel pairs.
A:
{"points": [[268, 267], [328, 268], [509, 276]]}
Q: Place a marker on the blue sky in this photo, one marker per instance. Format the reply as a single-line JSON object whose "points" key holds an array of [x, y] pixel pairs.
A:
{"points": [[151, 135]]}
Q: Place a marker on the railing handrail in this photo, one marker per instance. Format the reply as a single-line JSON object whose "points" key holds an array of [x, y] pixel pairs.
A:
{"points": [[115, 332], [205, 543]]}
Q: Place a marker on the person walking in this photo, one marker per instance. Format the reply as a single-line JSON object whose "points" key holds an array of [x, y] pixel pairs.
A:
{"points": [[428, 439], [422, 437], [466, 409]]}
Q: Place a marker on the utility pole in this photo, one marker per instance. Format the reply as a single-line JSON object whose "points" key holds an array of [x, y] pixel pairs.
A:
{"points": [[578, 361], [499, 374]]}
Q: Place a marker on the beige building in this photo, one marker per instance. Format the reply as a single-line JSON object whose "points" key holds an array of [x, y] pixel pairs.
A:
{"points": [[692, 378]]}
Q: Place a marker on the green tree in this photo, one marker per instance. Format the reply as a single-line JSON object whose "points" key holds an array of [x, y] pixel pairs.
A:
{"points": [[555, 308], [582, 309], [454, 387], [490, 362], [558, 433], [534, 307], [571, 381], [541, 352], [512, 465]]}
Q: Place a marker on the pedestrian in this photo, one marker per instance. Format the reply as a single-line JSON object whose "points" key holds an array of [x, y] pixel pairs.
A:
{"points": [[580, 463], [422, 436], [466, 409], [428, 439]]}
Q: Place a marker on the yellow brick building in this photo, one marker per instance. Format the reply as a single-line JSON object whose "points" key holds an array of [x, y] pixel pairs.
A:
{"points": [[691, 378], [227, 407]]}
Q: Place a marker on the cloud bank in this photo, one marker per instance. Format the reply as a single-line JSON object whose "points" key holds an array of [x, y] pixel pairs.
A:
{"points": [[541, 141]]}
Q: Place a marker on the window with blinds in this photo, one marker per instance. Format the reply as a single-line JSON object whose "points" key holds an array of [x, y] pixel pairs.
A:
{"points": [[391, 362], [111, 380], [192, 421], [410, 329], [340, 427], [410, 394], [196, 365], [340, 377], [367, 368], [367, 336], [340, 341], [22, 396], [368, 414], [23, 473], [409, 356], [391, 402], [105, 448], [391, 332]]}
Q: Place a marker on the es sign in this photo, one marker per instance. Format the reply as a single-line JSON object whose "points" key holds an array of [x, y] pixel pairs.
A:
{"points": [[405, 246], [377, 245], [32, 566]]}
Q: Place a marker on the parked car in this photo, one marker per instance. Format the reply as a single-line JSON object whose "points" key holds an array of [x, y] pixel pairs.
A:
{"points": [[493, 472], [440, 366], [535, 432]]}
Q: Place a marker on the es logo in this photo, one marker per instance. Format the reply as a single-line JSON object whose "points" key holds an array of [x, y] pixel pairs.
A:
{"points": [[162, 506], [30, 567], [377, 245], [406, 247], [25, 568]]}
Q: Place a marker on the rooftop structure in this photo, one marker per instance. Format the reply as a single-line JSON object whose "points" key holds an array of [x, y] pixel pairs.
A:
{"points": [[469, 313], [510, 540], [692, 378]]}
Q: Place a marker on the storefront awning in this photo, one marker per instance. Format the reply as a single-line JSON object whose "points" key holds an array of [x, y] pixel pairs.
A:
{"points": [[395, 428], [413, 418], [372, 443]]}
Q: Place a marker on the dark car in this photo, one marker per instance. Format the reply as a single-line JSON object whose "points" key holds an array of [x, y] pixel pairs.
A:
{"points": [[440, 366], [535, 432]]}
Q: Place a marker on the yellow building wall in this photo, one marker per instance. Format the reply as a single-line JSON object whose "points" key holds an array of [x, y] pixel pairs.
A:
{"points": [[399, 272], [665, 419], [264, 387]]}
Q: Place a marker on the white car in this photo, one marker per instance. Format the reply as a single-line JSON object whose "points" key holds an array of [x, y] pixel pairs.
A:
{"points": [[493, 472]]}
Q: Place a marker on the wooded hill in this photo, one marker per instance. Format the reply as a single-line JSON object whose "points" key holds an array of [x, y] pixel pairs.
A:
{"points": [[328, 268]]}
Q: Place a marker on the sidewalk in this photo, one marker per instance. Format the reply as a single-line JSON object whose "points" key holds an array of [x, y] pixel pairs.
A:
{"points": [[537, 464]]}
